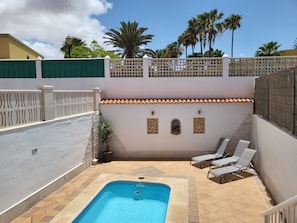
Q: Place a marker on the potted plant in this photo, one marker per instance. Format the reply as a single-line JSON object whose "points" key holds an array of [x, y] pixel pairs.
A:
{"points": [[105, 134]]}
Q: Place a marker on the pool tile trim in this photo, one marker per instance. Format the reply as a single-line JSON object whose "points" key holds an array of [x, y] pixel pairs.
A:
{"points": [[177, 210]]}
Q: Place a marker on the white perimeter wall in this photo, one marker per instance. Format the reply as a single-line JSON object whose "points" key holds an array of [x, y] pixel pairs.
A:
{"points": [[173, 87], [277, 153], [61, 146], [129, 123], [178, 87]]}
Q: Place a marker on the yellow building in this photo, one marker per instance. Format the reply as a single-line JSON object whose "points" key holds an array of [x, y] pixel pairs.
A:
{"points": [[12, 48], [292, 52]]}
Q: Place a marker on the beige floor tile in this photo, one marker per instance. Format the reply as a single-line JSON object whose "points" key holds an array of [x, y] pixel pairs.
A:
{"points": [[22, 220], [242, 200]]}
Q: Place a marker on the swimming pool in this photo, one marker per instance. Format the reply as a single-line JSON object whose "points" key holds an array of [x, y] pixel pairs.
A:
{"points": [[128, 201], [177, 208]]}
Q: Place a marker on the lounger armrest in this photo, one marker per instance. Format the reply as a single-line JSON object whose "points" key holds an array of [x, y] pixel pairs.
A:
{"points": [[228, 155]]}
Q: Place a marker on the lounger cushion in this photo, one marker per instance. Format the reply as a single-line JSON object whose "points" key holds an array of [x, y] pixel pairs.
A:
{"points": [[223, 170], [199, 159], [225, 161]]}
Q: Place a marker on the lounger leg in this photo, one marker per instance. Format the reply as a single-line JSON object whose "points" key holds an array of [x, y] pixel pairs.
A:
{"points": [[224, 178], [208, 174], [201, 165]]}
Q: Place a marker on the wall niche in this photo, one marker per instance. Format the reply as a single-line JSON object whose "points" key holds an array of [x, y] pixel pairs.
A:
{"points": [[175, 127]]}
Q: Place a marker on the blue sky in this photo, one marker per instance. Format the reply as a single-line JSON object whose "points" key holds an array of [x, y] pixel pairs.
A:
{"points": [[263, 21], [43, 25]]}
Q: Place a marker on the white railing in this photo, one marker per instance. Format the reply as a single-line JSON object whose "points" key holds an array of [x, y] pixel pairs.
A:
{"points": [[190, 67], [285, 212], [198, 67], [259, 66], [126, 67], [19, 107], [68, 103]]}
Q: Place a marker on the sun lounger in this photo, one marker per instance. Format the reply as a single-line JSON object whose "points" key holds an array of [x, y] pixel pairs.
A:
{"points": [[242, 144], [219, 154], [242, 164]]}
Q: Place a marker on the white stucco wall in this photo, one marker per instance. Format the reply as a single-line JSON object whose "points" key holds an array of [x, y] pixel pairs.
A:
{"points": [[61, 146], [277, 152], [129, 123], [178, 87], [174, 87]]}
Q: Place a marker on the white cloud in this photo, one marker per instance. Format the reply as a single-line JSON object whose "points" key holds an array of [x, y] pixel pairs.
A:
{"points": [[44, 24], [48, 50]]}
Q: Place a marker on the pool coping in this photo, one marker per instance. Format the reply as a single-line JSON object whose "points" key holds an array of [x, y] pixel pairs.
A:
{"points": [[177, 211]]}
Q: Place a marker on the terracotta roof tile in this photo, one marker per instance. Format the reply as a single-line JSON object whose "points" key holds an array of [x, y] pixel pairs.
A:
{"points": [[175, 101]]}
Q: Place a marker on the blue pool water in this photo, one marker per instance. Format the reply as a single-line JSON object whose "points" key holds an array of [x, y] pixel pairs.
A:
{"points": [[127, 201]]}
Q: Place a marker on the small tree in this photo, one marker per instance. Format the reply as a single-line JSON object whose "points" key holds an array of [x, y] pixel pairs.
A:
{"points": [[105, 133], [98, 51]]}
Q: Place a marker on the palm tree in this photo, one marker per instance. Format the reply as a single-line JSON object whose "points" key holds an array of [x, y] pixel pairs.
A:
{"points": [[201, 24], [187, 38], [184, 40], [232, 23], [217, 53], [192, 32], [173, 50], [190, 36], [268, 49], [204, 28], [161, 53], [214, 27], [128, 38]]}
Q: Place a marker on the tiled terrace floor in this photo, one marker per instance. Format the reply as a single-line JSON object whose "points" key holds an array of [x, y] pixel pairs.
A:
{"points": [[238, 201]]}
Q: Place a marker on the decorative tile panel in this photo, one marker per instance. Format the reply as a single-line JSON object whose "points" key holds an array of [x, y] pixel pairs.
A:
{"points": [[152, 126], [199, 125]]}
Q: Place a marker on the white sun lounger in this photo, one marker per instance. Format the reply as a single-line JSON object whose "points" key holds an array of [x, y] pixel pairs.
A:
{"points": [[242, 144], [219, 154], [242, 164]]}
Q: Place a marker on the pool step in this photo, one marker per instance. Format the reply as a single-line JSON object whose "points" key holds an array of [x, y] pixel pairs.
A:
{"points": [[140, 185]]}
